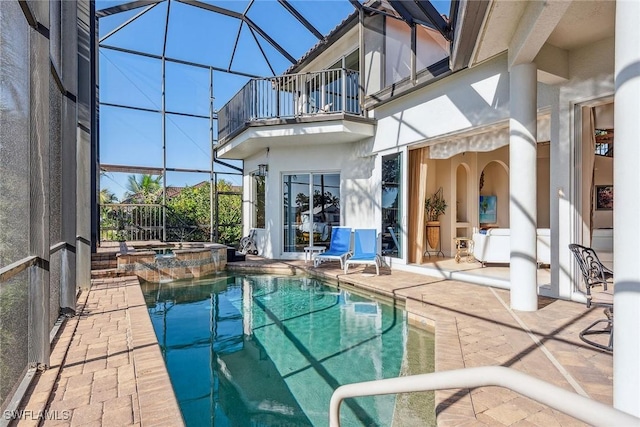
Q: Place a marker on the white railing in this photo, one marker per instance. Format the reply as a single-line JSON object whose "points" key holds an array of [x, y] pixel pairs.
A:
{"points": [[131, 222], [579, 407], [289, 96]]}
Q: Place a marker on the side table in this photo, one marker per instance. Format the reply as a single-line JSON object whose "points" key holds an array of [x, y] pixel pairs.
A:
{"points": [[311, 251], [464, 247]]}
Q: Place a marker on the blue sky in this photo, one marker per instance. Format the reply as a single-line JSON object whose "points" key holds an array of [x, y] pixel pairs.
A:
{"points": [[134, 137]]}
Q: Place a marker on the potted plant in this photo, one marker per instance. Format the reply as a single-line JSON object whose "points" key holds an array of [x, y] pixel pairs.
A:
{"points": [[434, 207]]}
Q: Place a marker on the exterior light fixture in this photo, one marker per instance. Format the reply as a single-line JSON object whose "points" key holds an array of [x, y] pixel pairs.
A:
{"points": [[262, 170]]}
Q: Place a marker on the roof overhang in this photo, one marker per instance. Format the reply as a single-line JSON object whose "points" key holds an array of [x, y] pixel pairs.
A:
{"points": [[467, 22], [421, 12], [337, 129]]}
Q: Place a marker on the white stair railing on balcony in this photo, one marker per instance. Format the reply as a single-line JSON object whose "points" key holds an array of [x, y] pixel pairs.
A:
{"points": [[582, 408], [289, 96]]}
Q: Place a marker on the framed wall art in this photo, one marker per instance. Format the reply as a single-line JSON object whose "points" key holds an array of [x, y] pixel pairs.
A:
{"points": [[488, 210], [604, 197]]}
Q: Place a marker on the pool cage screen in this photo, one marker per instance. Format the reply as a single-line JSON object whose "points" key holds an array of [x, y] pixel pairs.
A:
{"points": [[160, 179], [45, 208]]}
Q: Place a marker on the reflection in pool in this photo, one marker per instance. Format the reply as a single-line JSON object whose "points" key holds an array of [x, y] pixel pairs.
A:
{"points": [[268, 350]]}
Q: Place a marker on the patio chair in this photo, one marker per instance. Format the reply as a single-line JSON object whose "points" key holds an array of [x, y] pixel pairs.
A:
{"points": [[339, 247], [594, 273], [365, 249]]}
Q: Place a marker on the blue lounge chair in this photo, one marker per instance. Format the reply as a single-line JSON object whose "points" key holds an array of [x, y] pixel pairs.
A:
{"points": [[365, 249], [339, 247]]}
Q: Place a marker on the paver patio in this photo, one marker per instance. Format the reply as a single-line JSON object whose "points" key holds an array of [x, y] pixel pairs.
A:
{"points": [[113, 373], [106, 366]]}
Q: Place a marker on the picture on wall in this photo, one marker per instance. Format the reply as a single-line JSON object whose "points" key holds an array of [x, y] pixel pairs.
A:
{"points": [[488, 209], [604, 197]]}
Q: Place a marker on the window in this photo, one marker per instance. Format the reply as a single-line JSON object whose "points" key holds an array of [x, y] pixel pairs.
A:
{"points": [[259, 208], [604, 142]]}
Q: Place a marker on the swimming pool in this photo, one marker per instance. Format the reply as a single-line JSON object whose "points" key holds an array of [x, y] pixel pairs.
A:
{"points": [[269, 350]]}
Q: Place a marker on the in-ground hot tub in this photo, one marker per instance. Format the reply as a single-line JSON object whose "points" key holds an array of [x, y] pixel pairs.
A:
{"points": [[181, 263]]}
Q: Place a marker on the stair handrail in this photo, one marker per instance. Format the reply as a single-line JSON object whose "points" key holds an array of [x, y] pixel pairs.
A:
{"points": [[582, 408]]}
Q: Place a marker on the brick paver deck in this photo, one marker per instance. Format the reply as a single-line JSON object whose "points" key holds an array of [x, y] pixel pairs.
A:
{"points": [[113, 372]]}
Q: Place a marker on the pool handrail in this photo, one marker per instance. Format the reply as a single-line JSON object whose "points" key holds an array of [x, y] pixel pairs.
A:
{"points": [[573, 404]]}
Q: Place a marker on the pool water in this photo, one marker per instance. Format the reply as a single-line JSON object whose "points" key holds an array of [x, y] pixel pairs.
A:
{"points": [[265, 350]]}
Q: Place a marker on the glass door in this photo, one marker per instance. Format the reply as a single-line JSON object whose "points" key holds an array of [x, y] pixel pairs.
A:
{"points": [[391, 205], [309, 221], [326, 207], [297, 222]]}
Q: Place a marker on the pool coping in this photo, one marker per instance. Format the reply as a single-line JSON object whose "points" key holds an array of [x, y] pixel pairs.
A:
{"points": [[155, 391]]}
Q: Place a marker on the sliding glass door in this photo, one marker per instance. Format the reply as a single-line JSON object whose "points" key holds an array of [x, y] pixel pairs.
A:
{"points": [[391, 205], [311, 208]]}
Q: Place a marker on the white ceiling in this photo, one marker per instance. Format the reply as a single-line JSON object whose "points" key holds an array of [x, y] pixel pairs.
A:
{"points": [[584, 22]]}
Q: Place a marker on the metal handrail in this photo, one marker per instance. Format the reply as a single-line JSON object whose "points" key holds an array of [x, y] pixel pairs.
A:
{"points": [[9, 271], [13, 269], [575, 405], [289, 96]]}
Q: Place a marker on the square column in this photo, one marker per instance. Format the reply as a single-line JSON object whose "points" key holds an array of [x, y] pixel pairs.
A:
{"points": [[626, 299], [522, 186]]}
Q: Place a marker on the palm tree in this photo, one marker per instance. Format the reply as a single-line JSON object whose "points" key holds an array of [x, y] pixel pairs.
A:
{"points": [[107, 196], [146, 184], [143, 189]]}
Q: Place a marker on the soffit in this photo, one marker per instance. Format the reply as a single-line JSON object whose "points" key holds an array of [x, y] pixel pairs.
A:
{"points": [[584, 22], [500, 24]]}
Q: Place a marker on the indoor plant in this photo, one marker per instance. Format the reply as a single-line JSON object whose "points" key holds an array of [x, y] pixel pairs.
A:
{"points": [[434, 207]]}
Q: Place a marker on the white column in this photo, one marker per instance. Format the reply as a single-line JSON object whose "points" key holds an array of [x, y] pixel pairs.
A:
{"points": [[626, 300], [522, 186]]}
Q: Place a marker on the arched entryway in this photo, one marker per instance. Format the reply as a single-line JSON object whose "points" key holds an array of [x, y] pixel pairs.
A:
{"points": [[493, 188]]}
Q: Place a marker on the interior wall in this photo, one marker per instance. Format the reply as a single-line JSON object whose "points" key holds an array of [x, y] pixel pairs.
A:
{"points": [[464, 169], [603, 175], [603, 166], [442, 178], [461, 195], [496, 181]]}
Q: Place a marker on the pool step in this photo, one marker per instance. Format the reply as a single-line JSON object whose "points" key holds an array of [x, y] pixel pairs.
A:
{"points": [[108, 272], [103, 260]]}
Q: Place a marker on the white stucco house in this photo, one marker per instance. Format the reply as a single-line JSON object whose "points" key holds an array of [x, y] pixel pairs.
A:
{"points": [[513, 99]]}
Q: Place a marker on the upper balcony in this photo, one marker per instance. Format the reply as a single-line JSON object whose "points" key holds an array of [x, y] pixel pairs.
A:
{"points": [[309, 108]]}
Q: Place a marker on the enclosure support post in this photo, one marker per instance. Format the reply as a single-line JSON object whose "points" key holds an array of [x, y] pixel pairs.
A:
{"points": [[164, 153], [211, 144]]}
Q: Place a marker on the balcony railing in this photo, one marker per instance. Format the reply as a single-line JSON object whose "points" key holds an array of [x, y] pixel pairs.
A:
{"points": [[291, 96]]}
